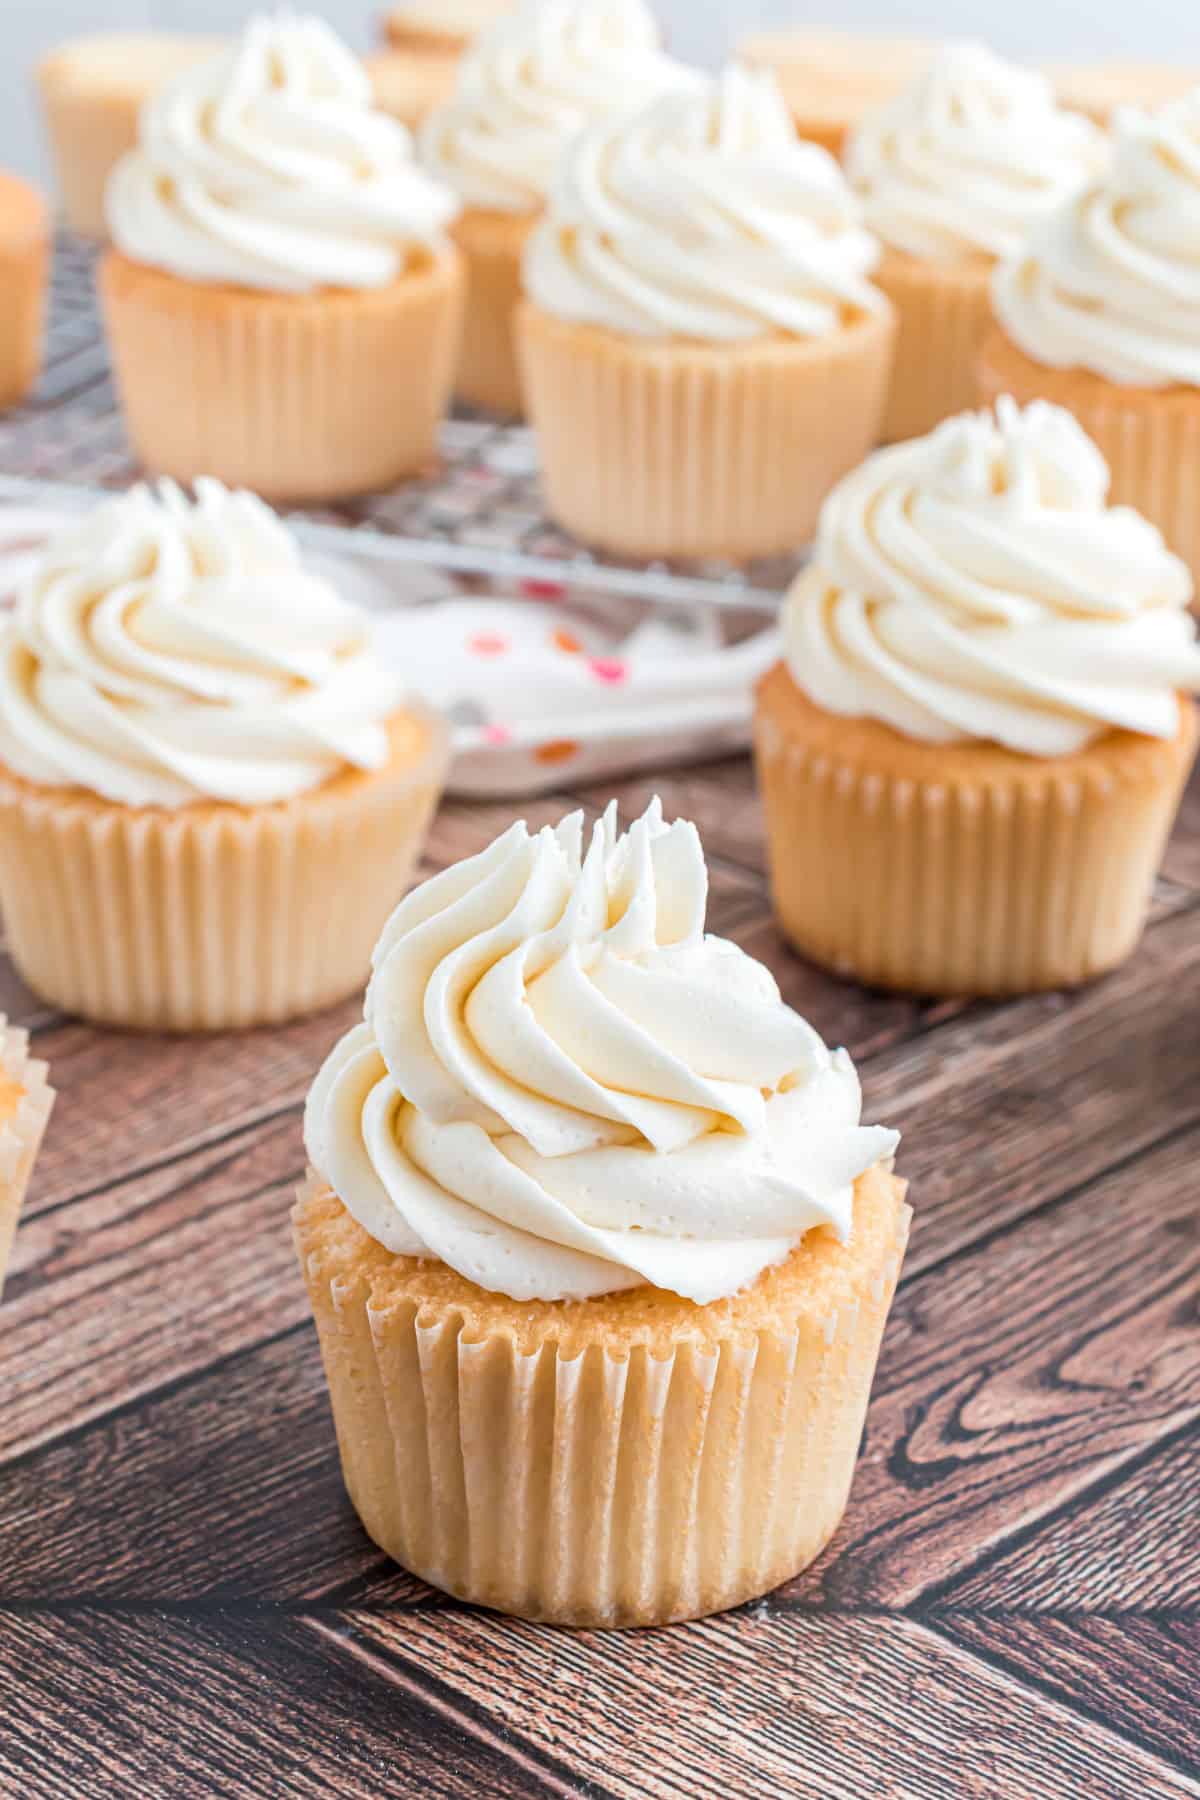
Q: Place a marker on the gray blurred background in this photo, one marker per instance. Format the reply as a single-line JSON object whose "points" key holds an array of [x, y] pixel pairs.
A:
{"points": [[702, 30]]}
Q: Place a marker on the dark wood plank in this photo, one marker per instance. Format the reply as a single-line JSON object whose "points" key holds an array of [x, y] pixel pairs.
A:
{"points": [[1139, 1673], [102, 1707], [148, 1281], [1129, 1542], [817, 1708], [1018, 1374]]}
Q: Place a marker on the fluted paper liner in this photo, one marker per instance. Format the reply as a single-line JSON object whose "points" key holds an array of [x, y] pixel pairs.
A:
{"points": [[212, 917], [24, 272], [943, 312], [492, 245], [1149, 437], [676, 448], [25, 1102], [623, 1461], [296, 396], [960, 869]]}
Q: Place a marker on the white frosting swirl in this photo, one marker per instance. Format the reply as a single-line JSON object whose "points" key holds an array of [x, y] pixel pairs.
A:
{"points": [[704, 216], [530, 85], [1111, 280], [266, 168], [564, 1088], [973, 584], [965, 159], [163, 652]]}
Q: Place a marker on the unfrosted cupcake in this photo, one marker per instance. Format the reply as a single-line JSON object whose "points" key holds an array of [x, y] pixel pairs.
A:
{"points": [[1099, 311], [92, 91], [24, 273], [832, 79], [974, 751], [525, 92], [25, 1102], [283, 308], [704, 354], [599, 1252], [952, 173], [211, 792]]}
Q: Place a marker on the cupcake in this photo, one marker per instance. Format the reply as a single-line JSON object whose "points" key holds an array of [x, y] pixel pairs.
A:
{"points": [[832, 79], [25, 1102], [441, 27], [952, 173], [92, 92], [703, 353], [973, 753], [1100, 89], [211, 793], [282, 306], [599, 1251], [409, 87], [530, 86], [24, 272], [1099, 311]]}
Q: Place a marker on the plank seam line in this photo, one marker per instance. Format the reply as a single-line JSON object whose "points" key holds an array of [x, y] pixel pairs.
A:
{"points": [[468, 1715], [1040, 1685], [928, 1603]]}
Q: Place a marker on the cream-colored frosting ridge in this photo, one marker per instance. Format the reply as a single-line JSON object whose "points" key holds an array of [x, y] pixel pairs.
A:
{"points": [[974, 584], [563, 1087]]}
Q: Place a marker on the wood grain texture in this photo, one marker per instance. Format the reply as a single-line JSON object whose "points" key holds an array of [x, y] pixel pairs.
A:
{"points": [[189, 1608]]}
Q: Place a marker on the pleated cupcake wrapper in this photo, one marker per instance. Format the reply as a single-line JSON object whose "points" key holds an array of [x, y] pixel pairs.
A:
{"points": [[210, 917], [958, 886], [1150, 438], [677, 449], [87, 133], [20, 1136], [24, 273], [492, 245], [296, 397], [943, 312], [580, 1487]]}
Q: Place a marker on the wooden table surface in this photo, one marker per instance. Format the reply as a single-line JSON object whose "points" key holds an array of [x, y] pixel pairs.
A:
{"points": [[189, 1608]]}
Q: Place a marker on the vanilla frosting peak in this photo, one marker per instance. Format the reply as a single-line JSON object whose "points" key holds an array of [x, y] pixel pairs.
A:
{"points": [[165, 651], [563, 1087], [704, 216], [974, 584], [266, 167], [530, 85], [964, 160], [1110, 281]]}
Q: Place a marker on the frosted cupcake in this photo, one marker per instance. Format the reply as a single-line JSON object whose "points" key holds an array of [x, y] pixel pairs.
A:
{"points": [[973, 753], [211, 792], [24, 274], [1099, 311], [92, 91], [832, 79], [25, 1103], [952, 174], [704, 353], [283, 308], [599, 1251], [528, 88]]}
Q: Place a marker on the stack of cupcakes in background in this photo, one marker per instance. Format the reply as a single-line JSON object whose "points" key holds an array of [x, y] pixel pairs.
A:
{"points": [[526, 91], [424, 43]]}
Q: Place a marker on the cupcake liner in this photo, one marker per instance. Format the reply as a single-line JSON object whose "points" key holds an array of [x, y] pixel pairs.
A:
{"points": [[960, 869], [213, 916], [1150, 437], [25, 1103], [88, 133], [943, 313], [24, 274], [559, 1463], [492, 245], [295, 396], [683, 449]]}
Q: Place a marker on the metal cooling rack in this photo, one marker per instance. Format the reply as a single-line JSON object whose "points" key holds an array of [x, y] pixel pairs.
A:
{"points": [[480, 513]]}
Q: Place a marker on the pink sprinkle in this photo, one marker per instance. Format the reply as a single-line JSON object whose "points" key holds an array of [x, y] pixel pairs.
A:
{"points": [[497, 734], [609, 668], [488, 643]]}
